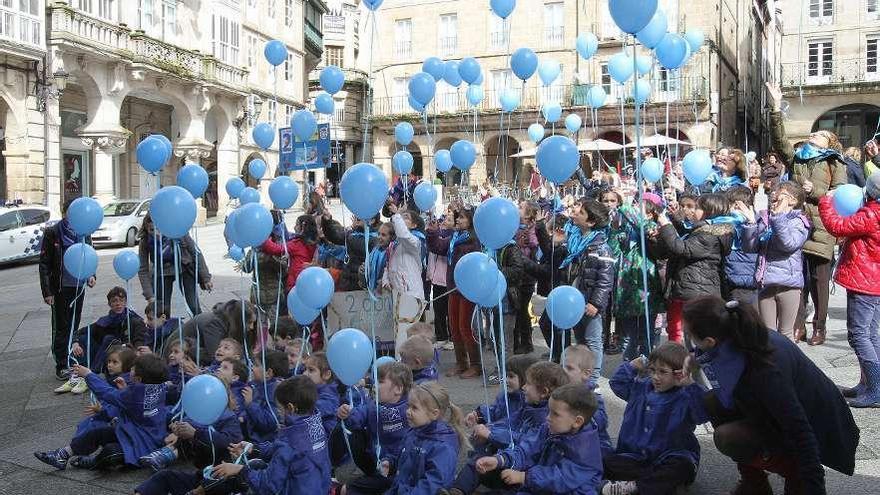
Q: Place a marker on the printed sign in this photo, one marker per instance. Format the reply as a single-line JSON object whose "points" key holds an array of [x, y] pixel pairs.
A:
{"points": [[302, 155], [352, 310]]}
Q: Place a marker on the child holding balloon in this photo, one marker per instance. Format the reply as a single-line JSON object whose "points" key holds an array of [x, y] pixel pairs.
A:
{"points": [[317, 369], [258, 396]]}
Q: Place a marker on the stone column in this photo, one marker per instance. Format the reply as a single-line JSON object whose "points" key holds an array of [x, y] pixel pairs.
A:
{"points": [[106, 144], [194, 150]]}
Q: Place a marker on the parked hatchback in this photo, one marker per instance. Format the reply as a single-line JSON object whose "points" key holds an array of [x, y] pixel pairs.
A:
{"points": [[21, 231], [122, 222]]}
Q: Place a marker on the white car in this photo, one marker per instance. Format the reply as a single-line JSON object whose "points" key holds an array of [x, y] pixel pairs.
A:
{"points": [[21, 231], [122, 222]]}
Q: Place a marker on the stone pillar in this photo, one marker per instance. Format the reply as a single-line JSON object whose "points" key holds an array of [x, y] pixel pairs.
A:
{"points": [[194, 150], [106, 144]]}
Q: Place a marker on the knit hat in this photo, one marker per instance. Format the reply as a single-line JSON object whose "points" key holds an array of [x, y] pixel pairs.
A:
{"points": [[872, 186], [653, 198]]}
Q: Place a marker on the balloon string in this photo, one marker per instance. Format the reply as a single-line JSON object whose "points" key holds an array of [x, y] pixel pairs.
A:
{"points": [[302, 347], [371, 312], [176, 250], [262, 340], [641, 183], [485, 382], [345, 431], [77, 292], [371, 19], [247, 356], [551, 232], [162, 274], [156, 288], [128, 311], [280, 291], [500, 347]]}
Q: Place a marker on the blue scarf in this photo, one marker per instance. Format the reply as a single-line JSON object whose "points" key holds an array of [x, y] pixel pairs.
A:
{"points": [[808, 151], [458, 237], [378, 259], [326, 251], [724, 183], [164, 248], [723, 366], [423, 246], [68, 235], [734, 219], [576, 242], [116, 320]]}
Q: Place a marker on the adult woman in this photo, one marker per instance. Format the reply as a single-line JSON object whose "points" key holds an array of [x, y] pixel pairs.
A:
{"points": [[225, 320], [730, 170], [353, 241], [818, 167], [772, 408], [773, 171], [157, 253], [527, 240]]}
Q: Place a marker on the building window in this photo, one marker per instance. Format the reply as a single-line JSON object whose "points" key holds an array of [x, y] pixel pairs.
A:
{"points": [[873, 8], [158, 18], [29, 21], [820, 59], [252, 4], [448, 35], [169, 20], [403, 39], [271, 108], [554, 25], [339, 111], [399, 98], [871, 68], [270, 6], [288, 67], [499, 33], [334, 55], [501, 80], [146, 15], [225, 40], [609, 27], [821, 11], [607, 83], [252, 50], [334, 24], [288, 113]]}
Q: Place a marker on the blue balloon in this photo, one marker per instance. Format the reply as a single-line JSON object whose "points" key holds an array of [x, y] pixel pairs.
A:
{"points": [[652, 169], [524, 63], [173, 211], [425, 196], [620, 67], [443, 161], [324, 103], [463, 154], [587, 45], [502, 8], [496, 222], [249, 195], [193, 178], [573, 123], [497, 295], [126, 264], [422, 87], [479, 81], [695, 39], [509, 99], [558, 158], [236, 253], [373, 4], [475, 95], [384, 360], [169, 148], [152, 154], [264, 135], [350, 354], [203, 400], [418, 107], [536, 132], [85, 216], [234, 187], [565, 306], [257, 168], [332, 79], [275, 52], [404, 133], [643, 64], [304, 124], [450, 74], [848, 199], [469, 69], [548, 71], [364, 189], [631, 16], [552, 111], [475, 276], [253, 224], [301, 312], [697, 166], [402, 162], [596, 96], [434, 66], [283, 191], [653, 33], [81, 261], [641, 91], [673, 51], [315, 287]]}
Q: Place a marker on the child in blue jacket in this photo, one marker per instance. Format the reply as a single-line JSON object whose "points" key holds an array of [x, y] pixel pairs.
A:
{"points": [[227, 349], [417, 353], [430, 451], [297, 461], [259, 396], [656, 449], [495, 416], [140, 427], [422, 372], [395, 382], [234, 372], [578, 363], [564, 458], [317, 369], [542, 378], [119, 362]]}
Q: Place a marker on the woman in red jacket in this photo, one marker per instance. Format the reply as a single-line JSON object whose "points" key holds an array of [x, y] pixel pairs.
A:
{"points": [[858, 272], [301, 247]]}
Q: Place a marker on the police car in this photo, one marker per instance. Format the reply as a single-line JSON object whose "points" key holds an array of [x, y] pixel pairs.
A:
{"points": [[21, 231]]}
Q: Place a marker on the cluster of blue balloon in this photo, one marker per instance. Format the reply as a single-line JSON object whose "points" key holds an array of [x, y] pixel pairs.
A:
{"points": [[153, 152], [312, 293], [80, 260]]}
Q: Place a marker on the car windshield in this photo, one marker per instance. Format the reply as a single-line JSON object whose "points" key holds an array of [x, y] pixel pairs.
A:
{"points": [[119, 209]]}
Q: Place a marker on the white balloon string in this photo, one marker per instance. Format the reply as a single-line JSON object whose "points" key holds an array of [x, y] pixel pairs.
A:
{"points": [[641, 183]]}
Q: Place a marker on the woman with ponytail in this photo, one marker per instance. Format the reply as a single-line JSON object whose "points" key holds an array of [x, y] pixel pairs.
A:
{"points": [[773, 410]]}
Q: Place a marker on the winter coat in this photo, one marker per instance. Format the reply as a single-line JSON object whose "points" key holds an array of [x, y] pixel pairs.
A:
{"points": [[440, 245], [824, 173], [657, 425], [300, 256], [299, 460], [189, 253], [496, 414], [335, 233], [626, 246], [272, 269], [225, 432], [569, 463], [51, 266], [739, 270], [855, 172], [261, 424], [427, 460], [527, 240], [427, 374], [405, 266], [524, 425], [510, 263], [437, 267], [393, 430], [592, 273], [695, 262], [546, 271], [600, 419], [116, 326], [140, 427], [212, 328], [859, 267], [773, 172], [327, 404], [780, 261]]}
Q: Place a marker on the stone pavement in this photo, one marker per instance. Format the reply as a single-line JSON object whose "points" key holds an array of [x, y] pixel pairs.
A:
{"points": [[33, 418]]}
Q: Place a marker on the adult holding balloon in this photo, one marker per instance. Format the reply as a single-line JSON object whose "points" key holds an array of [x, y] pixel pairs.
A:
{"points": [[60, 288]]}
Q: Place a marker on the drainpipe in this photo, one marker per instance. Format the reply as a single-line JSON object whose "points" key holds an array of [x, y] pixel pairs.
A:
{"points": [[46, 147]]}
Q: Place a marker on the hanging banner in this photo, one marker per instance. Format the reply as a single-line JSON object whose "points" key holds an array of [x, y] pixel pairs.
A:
{"points": [[302, 155]]}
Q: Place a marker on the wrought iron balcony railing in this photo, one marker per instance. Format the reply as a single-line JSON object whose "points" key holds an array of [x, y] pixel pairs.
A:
{"points": [[831, 72]]}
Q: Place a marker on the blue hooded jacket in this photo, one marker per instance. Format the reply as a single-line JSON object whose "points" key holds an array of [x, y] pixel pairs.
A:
{"points": [[327, 405], [657, 425], [261, 424], [497, 412], [558, 464], [299, 462], [426, 374], [394, 430], [525, 425], [224, 432], [427, 461], [141, 426], [600, 419]]}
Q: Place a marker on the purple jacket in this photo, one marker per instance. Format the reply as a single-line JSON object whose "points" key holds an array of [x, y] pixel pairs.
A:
{"points": [[778, 240]]}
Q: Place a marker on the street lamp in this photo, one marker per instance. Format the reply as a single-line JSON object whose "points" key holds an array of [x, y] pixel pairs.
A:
{"points": [[45, 91]]}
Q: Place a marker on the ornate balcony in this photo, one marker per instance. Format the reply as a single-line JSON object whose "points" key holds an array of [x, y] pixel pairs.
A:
{"points": [[831, 76]]}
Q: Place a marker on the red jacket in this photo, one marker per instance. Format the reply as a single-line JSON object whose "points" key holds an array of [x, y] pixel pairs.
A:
{"points": [[859, 266], [299, 253]]}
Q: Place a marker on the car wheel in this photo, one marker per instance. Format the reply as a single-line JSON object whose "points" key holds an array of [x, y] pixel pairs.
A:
{"points": [[131, 237]]}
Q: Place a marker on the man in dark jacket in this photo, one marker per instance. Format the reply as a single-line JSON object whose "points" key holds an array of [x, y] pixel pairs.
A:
{"points": [[61, 290]]}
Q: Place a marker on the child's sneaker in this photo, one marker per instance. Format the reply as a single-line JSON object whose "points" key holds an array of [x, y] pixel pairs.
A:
{"points": [[56, 458], [67, 386], [159, 459], [620, 488], [80, 387]]}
